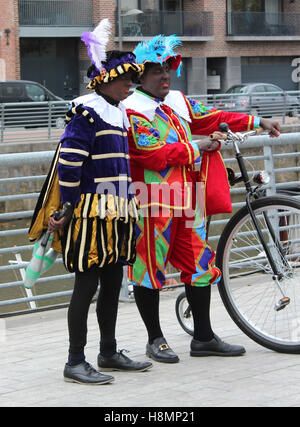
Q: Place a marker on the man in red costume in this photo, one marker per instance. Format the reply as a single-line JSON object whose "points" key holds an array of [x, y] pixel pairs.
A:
{"points": [[172, 228]]}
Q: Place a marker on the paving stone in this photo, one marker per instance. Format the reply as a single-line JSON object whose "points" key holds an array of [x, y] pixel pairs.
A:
{"points": [[34, 350]]}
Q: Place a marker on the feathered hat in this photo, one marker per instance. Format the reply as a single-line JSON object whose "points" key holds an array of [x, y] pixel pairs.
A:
{"points": [[107, 70], [159, 49]]}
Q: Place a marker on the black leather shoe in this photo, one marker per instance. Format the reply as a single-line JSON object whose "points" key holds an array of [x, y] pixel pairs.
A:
{"points": [[84, 373], [120, 362], [215, 347], [161, 352]]}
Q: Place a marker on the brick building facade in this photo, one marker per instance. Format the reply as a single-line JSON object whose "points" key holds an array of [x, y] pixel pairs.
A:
{"points": [[9, 40], [224, 42]]}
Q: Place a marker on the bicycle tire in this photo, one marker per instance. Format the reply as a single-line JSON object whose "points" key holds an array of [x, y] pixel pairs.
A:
{"points": [[253, 300], [186, 322]]}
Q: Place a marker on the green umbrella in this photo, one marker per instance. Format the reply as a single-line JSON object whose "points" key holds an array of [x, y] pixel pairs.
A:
{"points": [[43, 256]]}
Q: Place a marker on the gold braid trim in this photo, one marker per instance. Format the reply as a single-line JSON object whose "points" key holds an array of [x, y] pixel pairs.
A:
{"points": [[108, 76]]}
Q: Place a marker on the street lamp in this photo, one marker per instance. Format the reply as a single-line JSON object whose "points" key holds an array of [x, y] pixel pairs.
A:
{"points": [[131, 12], [7, 33]]}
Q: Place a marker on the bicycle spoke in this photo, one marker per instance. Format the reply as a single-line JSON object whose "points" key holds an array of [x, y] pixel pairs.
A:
{"points": [[248, 288]]}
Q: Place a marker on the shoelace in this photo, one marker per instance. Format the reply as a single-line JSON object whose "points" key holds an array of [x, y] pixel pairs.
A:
{"points": [[123, 350], [90, 368]]}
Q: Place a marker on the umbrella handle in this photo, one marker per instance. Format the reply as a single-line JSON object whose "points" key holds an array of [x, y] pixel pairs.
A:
{"points": [[66, 210], [45, 239]]}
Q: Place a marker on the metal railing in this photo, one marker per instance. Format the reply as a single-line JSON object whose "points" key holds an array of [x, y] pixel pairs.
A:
{"points": [[38, 121], [44, 121], [265, 104], [263, 24], [58, 13], [181, 23], [56, 287]]}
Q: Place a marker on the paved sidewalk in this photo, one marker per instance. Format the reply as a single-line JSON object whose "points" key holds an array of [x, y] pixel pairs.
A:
{"points": [[34, 348]]}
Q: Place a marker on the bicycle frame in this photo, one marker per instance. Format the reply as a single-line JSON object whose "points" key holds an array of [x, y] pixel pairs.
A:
{"points": [[234, 138], [265, 220]]}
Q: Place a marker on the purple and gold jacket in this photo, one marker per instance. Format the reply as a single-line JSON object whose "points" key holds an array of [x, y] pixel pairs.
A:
{"points": [[94, 151]]}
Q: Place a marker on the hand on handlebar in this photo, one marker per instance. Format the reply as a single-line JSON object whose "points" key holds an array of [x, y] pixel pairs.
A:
{"points": [[272, 126], [208, 144]]}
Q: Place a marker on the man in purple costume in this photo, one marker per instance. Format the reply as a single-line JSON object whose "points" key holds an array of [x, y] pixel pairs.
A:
{"points": [[93, 173]]}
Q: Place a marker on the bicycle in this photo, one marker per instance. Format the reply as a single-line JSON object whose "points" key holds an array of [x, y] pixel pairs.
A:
{"points": [[259, 256]]}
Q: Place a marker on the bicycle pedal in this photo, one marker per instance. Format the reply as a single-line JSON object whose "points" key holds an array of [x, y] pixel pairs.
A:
{"points": [[282, 303]]}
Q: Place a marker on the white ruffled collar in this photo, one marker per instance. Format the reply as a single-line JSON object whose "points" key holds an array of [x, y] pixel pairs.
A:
{"points": [[147, 106], [115, 116]]}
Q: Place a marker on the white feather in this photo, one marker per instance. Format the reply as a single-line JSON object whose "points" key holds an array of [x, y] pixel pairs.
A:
{"points": [[101, 34]]}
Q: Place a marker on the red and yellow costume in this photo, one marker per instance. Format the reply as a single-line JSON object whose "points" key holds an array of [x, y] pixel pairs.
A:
{"points": [[163, 157]]}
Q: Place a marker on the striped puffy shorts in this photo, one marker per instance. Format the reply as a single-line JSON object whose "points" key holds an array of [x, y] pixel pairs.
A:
{"points": [[178, 240], [92, 238]]}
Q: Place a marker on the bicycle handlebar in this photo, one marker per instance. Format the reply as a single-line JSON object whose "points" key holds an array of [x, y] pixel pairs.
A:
{"points": [[229, 136]]}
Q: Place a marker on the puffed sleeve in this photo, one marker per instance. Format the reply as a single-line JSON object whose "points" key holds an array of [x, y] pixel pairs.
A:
{"points": [[205, 119], [151, 152], [77, 142]]}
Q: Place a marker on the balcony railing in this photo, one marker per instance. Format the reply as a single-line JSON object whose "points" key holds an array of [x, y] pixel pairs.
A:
{"points": [[57, 13], [183, 24], [263, 24]]}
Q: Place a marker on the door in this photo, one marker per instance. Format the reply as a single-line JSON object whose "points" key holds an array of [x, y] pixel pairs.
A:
{"points": [[52, 63], [275, 70], [246, 17], [172, 16], [272, 9]]}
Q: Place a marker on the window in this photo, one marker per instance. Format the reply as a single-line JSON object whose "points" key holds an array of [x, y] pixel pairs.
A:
{"points": [[12, 91], [269, 6], [129, 5], [36, 93], [274, 89], [149, 5], [152, 5], [260, 88], [248, 5], [172, 5], [237, 89]]}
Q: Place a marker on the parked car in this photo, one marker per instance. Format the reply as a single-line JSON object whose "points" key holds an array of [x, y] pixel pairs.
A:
{"points": [[262, 99], [50, 110]]}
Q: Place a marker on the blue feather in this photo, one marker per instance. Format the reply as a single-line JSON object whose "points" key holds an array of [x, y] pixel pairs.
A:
{"points": [[157, 49]]}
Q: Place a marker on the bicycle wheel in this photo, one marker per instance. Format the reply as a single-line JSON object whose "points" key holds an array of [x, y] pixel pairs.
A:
{"points": [[252, 297], [184, 314]]}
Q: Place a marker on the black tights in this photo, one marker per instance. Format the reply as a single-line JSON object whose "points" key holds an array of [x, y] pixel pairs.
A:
{"points": [[85, 287], [147, 301], [199, 300]]}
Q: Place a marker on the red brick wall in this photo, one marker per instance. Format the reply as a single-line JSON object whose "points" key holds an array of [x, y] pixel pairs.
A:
{"points": [[219, 47], [102, 9], [10, 53], [105, 9]]}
